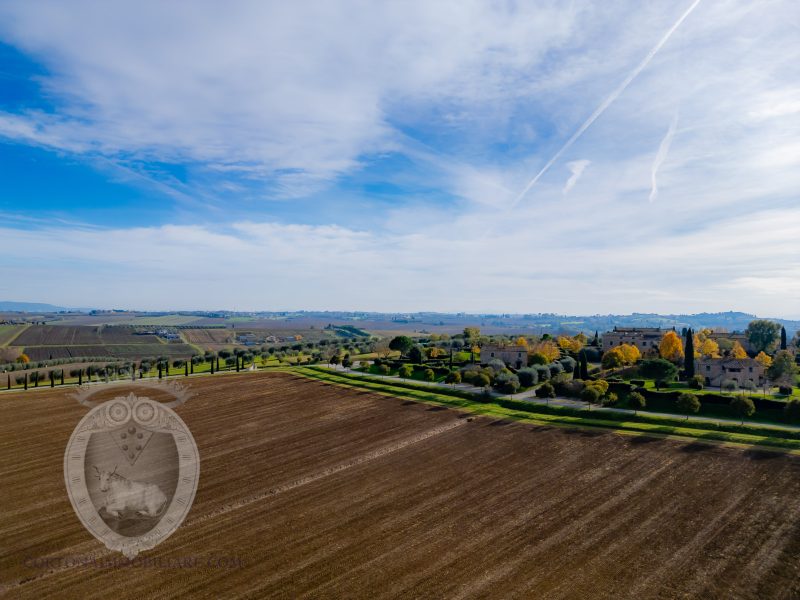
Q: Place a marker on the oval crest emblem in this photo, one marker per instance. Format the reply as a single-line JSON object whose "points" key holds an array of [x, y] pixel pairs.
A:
{"points": [[131, 470]]}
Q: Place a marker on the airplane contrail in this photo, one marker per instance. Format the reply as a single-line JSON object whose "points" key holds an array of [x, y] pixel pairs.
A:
{"points": [[661, 155], [608, 101]]}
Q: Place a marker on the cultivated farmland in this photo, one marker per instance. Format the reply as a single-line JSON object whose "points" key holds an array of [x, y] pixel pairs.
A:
{"points": [[326, 492]]}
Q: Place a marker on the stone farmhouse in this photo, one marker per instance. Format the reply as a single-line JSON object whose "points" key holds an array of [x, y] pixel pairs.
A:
{"points": [[717, 370], [513, 356], [644, 338]]}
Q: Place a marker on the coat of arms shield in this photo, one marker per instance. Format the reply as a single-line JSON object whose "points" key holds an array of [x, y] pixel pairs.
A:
{"points": [[131, 469]]}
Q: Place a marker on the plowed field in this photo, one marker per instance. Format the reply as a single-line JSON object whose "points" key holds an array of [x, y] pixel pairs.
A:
{"points": [[311, 490]]}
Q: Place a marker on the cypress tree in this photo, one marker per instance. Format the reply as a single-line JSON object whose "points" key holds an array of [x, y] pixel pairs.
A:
{"points": [[62, 376], [212, 366], [26, 381], [9, 382], [783, 338], [186, 369], [217, 363], [237, 363], [584, 365], [688, 355], [596, 340], [80, 376], [159, 369]]}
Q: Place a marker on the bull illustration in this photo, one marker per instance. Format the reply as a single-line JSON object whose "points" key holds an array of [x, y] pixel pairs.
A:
{"points": [[122, 494]]}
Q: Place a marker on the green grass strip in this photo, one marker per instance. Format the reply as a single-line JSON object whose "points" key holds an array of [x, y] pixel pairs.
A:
{"points": [[550, 415]]}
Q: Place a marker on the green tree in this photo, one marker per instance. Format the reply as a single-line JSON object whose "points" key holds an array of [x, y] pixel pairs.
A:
{"points": [[688, 403], [384, 369], [743, 407], [783, 338], [416, 355], [658, 368], [405, 371], [783, 368], [585, 364], [688, 355], [729, 385], [429, 375], [347, 362], [763, 335], [401, 343], [453, 378], [546, 390], [636, 401], [590, 395]]}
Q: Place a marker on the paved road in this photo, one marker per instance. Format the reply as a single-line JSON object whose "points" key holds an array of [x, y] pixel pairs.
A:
{"points": [[530, 396]]}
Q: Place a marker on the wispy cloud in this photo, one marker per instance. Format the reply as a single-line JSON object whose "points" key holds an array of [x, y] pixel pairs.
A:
{"points": [[576, 168], [661, 155]]}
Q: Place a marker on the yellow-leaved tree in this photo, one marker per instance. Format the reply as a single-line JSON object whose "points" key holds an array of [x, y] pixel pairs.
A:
{"points": [[764, 359], [521, 341], [737, 351], [708, 349], [546, 348], [671, 347], [630, 353]]}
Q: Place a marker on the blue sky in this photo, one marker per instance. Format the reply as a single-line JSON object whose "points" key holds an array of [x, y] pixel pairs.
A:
{"points": [[459, 155]]}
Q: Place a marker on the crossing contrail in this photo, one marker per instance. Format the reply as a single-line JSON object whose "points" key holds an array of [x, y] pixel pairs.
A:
{"points": [[608, 101]]}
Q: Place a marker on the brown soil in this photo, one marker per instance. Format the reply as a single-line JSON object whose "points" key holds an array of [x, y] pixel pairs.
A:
{"points": [[324, 492]]}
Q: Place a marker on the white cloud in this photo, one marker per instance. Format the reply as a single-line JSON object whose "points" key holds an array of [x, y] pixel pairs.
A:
{"points": [[576, 168]]}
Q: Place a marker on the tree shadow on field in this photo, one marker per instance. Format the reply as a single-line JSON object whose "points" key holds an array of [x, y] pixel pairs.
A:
{"points": [[437, 408], [540, 428], [641, 440], [696, 447], [755, 454], [408, 403], [500, 423]]}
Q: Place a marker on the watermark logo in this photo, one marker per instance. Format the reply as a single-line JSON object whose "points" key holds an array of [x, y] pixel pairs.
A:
{"points": [[132, 467]]}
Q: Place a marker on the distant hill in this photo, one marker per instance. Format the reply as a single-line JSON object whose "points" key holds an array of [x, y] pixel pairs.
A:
{"points": [[30, 307]]}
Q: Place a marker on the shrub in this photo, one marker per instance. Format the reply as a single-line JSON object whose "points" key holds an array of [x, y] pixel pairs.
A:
{"points": [[496, 365], [537, 358], [569, 364], [528, 377], [384, 369], [785, 390], [729, 385], [610, 398], [697, 382], [743, 406], [555, 368], [453, 377], [636, 401], [570, 388], [590, 395], [429, 375], [481, 380], [543, 372], [688, 403], [508, 383], [405, 371], [546, 390]]}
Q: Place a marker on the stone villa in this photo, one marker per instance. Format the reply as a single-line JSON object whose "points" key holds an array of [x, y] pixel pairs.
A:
{"points": [[717, 370], [513, 356], [644, 338]]}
